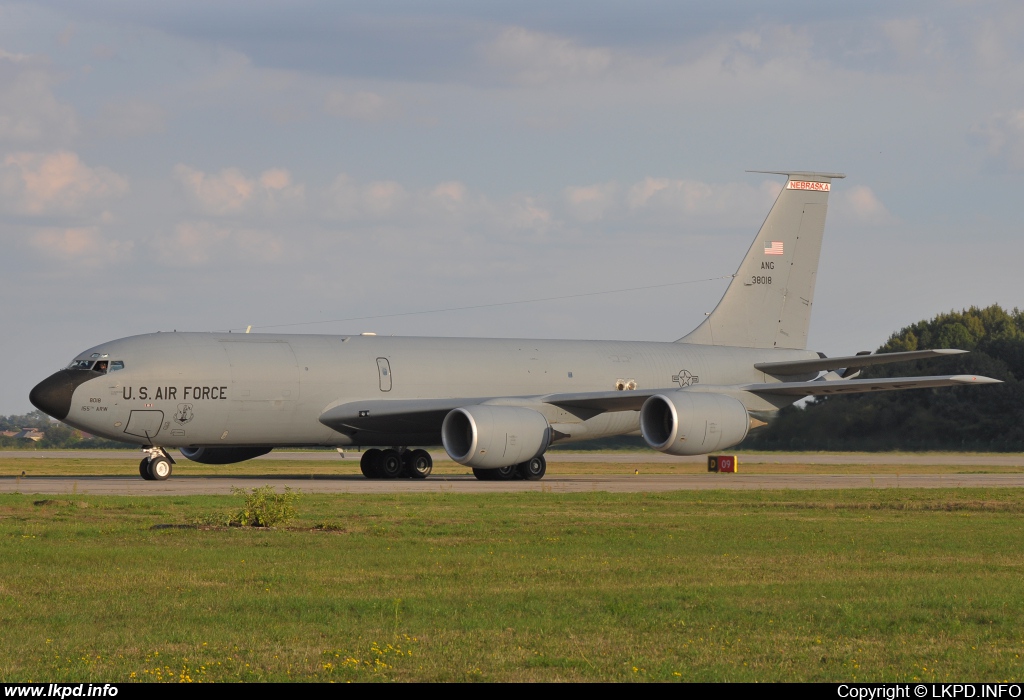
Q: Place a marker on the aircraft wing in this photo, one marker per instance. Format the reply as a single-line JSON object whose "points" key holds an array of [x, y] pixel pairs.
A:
{"points": [[389, 415], [594, 402], [427, 415], [825, 364], [859, 386]]}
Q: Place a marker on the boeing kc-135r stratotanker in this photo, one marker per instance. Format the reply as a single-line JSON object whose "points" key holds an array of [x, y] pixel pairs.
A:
{"points": [[495, 404]]}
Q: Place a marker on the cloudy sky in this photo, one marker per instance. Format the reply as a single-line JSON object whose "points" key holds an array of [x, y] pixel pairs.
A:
{"points": [[206, 166]]}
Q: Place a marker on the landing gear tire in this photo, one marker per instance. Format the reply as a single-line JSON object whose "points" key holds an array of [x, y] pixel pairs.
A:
{"points": [[159, 468], [144, 470], [369, 463], [390, 464], [418, 464], [508, 473], [534, 469], [499, 474]]}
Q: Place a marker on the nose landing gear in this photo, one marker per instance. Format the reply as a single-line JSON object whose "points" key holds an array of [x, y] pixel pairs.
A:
{"points": [[157, 465]]}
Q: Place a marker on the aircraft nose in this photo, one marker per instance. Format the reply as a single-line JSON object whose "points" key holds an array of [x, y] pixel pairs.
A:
{"points": [[53, 395]]}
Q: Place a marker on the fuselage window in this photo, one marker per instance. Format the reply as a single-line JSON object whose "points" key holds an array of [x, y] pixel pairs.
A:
{"points": [[116, 365], [81, 364]]}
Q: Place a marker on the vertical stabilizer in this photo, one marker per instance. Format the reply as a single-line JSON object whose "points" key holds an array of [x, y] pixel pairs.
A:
{"points": [[768, 303]]}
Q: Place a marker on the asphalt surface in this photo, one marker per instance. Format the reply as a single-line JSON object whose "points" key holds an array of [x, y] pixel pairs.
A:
{"points": [[182, 486], [640, 457]]}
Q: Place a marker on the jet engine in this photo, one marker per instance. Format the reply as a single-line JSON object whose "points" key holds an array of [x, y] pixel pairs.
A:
{"points": [[488, 437], [222, 455], [691, 423]]}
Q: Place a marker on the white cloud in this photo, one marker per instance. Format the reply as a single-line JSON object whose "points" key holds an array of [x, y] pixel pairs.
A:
{"points": [[862, 204], [29, 111], [914, 39], [445, 214], [346, 199], [591, 203], [122, 118], [451, 197], [232, 192], [81, 246], [365, 106], [677, 199], [535, 58], [56, 183], [529, 214], [1004, 134], [191, 244], [201, 243]]}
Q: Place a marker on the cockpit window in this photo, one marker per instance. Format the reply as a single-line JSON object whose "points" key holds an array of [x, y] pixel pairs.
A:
{"points": [[98, 365]]}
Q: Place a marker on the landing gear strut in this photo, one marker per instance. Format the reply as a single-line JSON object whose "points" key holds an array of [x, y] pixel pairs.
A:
{"points": [[156, 466]]}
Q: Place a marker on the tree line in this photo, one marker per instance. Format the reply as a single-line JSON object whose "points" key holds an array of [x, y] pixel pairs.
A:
{"points": [[979, 418], [57, 435]]}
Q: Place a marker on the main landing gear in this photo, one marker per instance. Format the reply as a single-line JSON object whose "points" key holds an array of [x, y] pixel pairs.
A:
{"points": [[156, 466], [533, 470], [396, 463]]}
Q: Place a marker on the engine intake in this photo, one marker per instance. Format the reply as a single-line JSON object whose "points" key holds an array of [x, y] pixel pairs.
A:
{"points": [[691, 423], [222, 455], [488, 437]]}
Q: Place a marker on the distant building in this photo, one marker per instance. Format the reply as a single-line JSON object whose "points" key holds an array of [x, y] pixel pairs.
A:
{"points": [[33, 434], [9, 433]]}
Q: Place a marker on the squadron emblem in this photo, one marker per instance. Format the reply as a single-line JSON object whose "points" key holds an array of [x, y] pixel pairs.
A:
{"points": [[685, 379], [184, 414]]}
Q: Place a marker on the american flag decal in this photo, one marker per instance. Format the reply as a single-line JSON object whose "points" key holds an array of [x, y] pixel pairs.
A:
{"points": [[773, 247]]}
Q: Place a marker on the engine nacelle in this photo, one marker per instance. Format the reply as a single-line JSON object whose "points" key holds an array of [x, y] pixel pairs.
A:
{"points": [[488, 437], [222, 455], [692, 423]]}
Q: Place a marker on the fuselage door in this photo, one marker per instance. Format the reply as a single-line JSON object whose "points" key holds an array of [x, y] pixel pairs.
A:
{"points": [[144, 424], [384, 370]]}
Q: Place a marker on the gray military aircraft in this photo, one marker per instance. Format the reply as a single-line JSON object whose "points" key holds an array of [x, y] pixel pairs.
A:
{"points": [[496, 405]]}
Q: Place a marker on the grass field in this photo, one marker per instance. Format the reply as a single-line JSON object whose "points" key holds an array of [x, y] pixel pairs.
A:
{"points": [[858, 585]]}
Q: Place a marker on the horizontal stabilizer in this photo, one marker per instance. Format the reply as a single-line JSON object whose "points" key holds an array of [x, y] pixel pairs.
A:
{"points": [[829, 363], [860, 386]]}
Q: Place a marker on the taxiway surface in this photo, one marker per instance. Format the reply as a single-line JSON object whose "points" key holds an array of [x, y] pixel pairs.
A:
{"points": [[639, 457], [182, 486]]}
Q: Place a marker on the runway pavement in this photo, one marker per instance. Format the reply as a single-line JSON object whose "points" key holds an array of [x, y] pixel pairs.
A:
{"points": [[640, 457], [181, 486]]}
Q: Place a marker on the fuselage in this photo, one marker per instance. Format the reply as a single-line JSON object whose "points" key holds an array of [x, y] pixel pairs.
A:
{"points": [[214, 390]]}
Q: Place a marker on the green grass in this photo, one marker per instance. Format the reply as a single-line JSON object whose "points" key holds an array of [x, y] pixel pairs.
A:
{"points": [[851, 585]]}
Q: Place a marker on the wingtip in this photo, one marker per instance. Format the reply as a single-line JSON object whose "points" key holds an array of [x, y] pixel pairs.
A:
{"points": [[974, 379]]}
